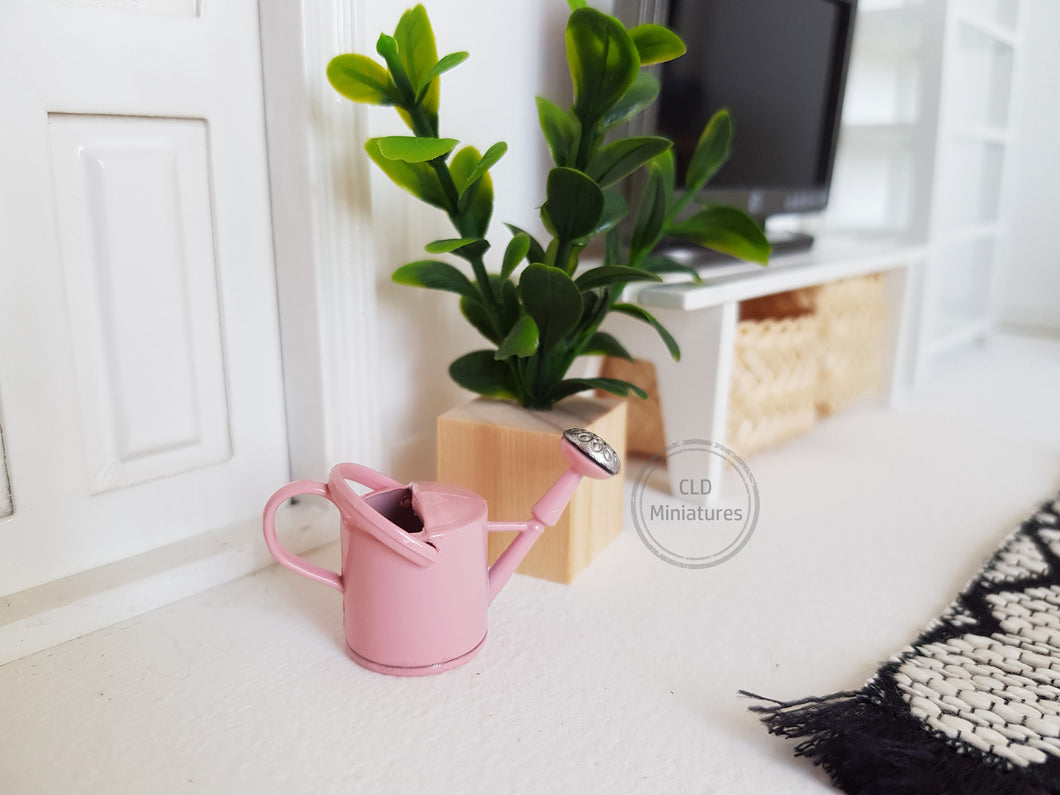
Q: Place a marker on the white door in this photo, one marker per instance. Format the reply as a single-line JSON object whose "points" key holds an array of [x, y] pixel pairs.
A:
{"points": [[140, 379]]}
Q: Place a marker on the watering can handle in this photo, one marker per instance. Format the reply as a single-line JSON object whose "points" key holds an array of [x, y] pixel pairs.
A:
{"points": [[364, 517], [288, 559]]}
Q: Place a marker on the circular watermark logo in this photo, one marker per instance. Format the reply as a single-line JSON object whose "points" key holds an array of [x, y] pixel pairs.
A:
{"points": [[713, 513]]}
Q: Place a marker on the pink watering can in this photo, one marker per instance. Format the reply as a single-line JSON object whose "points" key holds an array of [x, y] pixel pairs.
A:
{"points": [[415, 584]]}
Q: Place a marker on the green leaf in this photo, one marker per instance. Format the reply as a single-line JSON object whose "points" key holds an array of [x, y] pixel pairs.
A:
{"points": [[450, 61], [536, 252], [576, 4], [615, 386], [361, 79], [560, 131], [727, 230], [651, 217], [434, 275], [518, 248], [613, 247], [466, 247], [713, 149], [510, 311], [603, 63], [553, 300], [605, 275], [479, 372], [521, 340], [475, 314], [656, 44], [615, 209], [448, 244], [590, 304], [419, 179], [640, 313], [603, 344], [476, 202], [618, 160], [660, 263], [418, 54], [485, 163], [574, 206], [668, 168], [643, 92], [413, 149]]}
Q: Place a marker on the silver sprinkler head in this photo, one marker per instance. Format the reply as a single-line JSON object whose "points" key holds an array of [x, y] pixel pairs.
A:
{"points": [[595, 449]]}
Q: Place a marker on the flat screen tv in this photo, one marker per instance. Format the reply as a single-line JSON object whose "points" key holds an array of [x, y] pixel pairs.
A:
{"points": [[780, 67]]}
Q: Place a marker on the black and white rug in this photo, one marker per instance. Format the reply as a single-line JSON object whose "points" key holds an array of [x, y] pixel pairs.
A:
{"points": [[973, 706]]}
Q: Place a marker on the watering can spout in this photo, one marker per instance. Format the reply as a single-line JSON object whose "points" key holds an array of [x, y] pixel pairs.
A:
{"points": [[587, 456]]}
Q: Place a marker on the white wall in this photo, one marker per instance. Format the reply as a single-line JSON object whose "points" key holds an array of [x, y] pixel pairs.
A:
{"points": [[1030, 289], [516, 52]]}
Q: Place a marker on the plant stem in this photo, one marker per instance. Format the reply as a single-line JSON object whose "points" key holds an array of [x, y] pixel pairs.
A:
{"points": [[678, 206], [492, 304], [563, 251], [587, 140], [423, 128]]}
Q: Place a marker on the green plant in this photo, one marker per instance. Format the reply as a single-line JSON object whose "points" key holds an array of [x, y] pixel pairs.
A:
{"points": [[552, 314]]}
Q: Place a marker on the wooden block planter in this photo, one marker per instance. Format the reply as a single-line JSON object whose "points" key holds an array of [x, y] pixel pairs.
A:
{"points": [[511, 456]]}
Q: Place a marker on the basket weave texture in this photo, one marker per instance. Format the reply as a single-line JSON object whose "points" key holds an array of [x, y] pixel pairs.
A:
{"points": [[773, 388], [797, 355], [851, 314]]}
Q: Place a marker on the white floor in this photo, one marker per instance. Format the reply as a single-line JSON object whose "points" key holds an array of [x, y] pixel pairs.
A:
{"points": [[622, 682]]}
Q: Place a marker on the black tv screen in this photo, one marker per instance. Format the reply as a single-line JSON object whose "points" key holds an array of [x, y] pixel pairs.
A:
{"points": [[779, 66], [773, 77]]}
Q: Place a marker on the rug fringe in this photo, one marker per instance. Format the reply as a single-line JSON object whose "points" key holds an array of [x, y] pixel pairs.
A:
{"points": [[867, 747]]}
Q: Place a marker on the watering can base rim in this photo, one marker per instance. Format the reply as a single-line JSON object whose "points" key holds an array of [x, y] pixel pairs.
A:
{"points": [[417, 670]]}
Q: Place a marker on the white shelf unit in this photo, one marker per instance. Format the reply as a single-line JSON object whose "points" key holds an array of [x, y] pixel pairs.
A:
{"points": [[886, 144], [981, 41], [925, 141]]}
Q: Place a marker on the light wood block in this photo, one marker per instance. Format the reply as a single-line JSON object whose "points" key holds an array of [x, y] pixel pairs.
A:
{"points": [[511, 456]]}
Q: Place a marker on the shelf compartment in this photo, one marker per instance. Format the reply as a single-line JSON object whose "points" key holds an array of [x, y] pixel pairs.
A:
{"points": [[969, 183], [873, 179], [980, 78], [960, 279], [885, 71], [997, 18]]}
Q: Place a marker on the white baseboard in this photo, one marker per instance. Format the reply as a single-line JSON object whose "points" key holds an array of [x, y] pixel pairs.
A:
{"points": [[50, 614]]}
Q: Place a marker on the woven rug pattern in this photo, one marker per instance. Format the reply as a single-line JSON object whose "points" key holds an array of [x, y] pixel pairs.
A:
{"points": [[972, 706]]}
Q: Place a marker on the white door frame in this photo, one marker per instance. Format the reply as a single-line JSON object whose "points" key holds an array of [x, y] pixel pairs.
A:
{"points": [[325, 260]]}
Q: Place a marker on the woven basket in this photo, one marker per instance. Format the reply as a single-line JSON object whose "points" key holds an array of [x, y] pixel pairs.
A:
{"points": [[774, 371], [851, 314], [774, 378]]}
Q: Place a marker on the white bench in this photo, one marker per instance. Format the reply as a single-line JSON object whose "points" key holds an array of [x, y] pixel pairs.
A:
{"points": [[694, 393]]}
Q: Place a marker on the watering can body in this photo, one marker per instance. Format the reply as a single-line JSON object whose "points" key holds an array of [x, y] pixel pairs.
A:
{"points": [[414, 579], [403, 617]]}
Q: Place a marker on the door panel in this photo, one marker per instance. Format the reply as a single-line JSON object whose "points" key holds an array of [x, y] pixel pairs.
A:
{"points": [[139, 343], [136, 236]]}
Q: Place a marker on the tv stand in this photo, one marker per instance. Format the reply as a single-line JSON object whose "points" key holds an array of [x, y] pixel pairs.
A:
{"points": [[694, 393]]}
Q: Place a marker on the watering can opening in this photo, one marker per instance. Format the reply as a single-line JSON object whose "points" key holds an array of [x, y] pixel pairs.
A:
{"points": [[396, 505]]}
